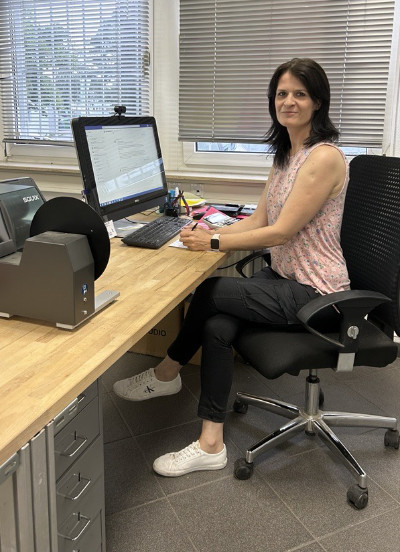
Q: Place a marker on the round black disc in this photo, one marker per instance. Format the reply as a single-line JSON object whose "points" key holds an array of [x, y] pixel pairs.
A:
{"points": [[73, 216]]}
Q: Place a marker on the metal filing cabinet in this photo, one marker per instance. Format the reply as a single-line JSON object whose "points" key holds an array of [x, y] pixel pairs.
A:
{"points": [[52, 489], [27, 499], [79, 473]]}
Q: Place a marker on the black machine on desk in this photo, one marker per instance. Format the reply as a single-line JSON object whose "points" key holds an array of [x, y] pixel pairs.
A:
{"points": [[50, 255]]}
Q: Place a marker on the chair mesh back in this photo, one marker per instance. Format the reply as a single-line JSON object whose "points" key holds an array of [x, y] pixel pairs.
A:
{"points": [[370, 233]]}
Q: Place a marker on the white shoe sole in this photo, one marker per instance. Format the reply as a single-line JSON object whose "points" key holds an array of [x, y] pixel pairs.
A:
{"points": [[191, 469]]}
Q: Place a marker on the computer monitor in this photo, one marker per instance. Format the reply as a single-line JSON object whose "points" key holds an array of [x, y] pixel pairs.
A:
{"points": [[121, 164]]}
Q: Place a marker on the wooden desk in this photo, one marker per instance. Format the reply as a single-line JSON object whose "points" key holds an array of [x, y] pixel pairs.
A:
{"points": [[42, 368]]}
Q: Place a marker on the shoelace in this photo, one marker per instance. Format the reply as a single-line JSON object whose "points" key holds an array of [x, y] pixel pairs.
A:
{"points": [[143, 377], [188, 452]]}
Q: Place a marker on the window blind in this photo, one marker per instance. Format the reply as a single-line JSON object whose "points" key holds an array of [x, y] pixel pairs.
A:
{"points": [[229, 50], [63, 58]]}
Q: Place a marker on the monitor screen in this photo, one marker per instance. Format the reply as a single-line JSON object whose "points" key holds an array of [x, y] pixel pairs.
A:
{"points": [[121, 164]]}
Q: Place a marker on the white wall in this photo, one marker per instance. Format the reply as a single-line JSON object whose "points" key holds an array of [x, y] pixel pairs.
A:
{"points": [[166, 79]]}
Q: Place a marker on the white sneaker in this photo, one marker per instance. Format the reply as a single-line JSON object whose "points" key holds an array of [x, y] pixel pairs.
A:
{"points": [[189, 459], [145, 386]]}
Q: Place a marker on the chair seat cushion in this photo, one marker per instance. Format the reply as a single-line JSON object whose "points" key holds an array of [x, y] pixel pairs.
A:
{"points": [[273, 353]]}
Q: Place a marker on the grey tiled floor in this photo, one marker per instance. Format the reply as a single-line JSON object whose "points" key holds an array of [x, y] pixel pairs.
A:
{"points": [[296, 499]]}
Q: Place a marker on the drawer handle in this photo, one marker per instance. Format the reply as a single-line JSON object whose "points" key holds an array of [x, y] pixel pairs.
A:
{"points": [[77, 489], [72, 448], [79, 527], [81, 397], [9, 467], [67, 414]]}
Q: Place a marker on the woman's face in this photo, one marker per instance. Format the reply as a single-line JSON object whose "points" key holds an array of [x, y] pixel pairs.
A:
{"points": [[293, 104]]}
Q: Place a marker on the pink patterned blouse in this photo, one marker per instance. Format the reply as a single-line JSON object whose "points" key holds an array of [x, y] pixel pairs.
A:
{"points": [[313, 256]]}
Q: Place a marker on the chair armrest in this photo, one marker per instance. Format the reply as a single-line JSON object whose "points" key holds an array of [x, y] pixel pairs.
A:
{"points": [[353, 306], [249, 258]]}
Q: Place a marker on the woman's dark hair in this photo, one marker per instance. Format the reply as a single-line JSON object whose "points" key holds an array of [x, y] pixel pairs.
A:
{"points": [[314, 78]]}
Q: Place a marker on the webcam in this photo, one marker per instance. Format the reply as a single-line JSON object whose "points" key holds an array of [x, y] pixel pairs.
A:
{"points": [[119, 110]]}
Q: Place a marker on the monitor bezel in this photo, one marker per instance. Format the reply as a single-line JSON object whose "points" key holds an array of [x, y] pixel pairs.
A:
{"points": [[127, 207]]}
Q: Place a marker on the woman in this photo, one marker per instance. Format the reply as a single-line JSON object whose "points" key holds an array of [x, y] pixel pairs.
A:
{"points": [[299, 218]]}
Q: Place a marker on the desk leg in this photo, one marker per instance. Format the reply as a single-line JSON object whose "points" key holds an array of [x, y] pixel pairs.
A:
{"points": [[26, 521], [8, 525], [51, 480], [23, 492], [41, 490]]}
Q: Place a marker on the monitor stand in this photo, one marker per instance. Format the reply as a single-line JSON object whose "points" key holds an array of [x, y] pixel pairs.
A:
{"points": [[125, 226]]}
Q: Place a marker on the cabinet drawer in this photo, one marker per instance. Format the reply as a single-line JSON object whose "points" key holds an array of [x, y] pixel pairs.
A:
{"points": [[78, 481], [76, 437], [91, 539], [78, 404]]}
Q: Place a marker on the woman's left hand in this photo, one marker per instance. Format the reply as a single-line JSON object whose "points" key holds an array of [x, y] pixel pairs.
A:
{"points": [[196, 240]]}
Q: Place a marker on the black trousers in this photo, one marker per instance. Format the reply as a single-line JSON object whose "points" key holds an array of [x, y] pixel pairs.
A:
{"points": [[219, 308]]}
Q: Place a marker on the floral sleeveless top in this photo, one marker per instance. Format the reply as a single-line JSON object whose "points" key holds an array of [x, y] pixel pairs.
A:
{"points": [[313, 256]]}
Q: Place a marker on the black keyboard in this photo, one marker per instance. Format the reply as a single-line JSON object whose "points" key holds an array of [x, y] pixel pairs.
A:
{"points": [[156, 232]]}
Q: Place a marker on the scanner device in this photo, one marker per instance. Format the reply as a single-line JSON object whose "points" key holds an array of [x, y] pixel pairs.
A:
{"points": [[52, 277]]}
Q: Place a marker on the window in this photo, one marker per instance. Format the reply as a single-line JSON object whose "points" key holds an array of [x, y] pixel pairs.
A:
{"points": [[238, 147], [229, 50], [63, 58]]}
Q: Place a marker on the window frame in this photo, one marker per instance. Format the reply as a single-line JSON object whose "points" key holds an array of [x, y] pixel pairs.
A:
{"points": [[47, 154], [196, 160], [192, 157], [224, 158]]}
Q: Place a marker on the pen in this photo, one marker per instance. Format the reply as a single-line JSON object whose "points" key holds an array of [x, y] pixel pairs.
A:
{"points": [[194, 227]]}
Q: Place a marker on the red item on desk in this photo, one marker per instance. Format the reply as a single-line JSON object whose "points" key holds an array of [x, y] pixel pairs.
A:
{"points": [[213, 217], [198, 214], [205, 210]]}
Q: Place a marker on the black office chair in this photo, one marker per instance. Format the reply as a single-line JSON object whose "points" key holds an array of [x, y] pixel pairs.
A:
{"points": [[371, 244]]}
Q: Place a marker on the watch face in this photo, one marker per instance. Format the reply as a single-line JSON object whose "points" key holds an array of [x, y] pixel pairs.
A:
{"points": [[215, 242]]}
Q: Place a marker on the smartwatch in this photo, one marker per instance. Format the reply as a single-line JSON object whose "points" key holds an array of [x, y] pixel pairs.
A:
{"points": [[215, 242]]}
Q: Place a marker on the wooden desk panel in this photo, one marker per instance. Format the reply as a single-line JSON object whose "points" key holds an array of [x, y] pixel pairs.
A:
{"points": [[43, 368]]}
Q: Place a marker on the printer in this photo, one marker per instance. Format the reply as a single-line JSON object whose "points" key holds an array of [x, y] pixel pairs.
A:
{"points": [[20, 198], [51, 252]]}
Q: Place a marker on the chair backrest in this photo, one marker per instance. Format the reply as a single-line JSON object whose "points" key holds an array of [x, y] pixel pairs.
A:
{"points": [[370, 233]]}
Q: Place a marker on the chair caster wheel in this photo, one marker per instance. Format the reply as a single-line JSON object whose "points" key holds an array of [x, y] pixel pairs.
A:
{"points": [[357, 496], [392, 438], [240, 407], [243, 469]]}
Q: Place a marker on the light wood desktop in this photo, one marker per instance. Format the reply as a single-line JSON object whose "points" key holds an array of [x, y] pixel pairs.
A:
{"points": [[43, 368]]}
